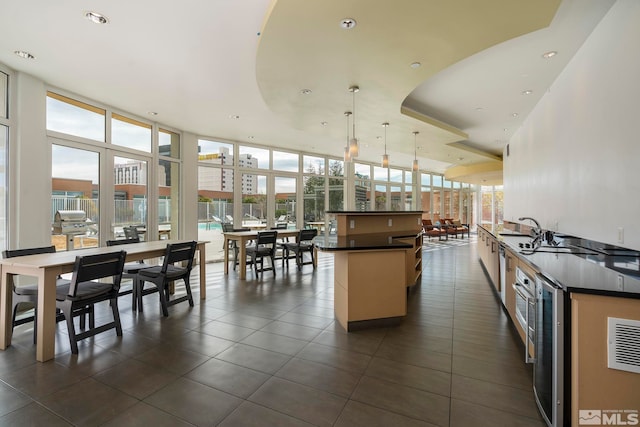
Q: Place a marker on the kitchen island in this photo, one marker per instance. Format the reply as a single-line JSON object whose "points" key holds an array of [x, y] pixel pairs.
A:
{"points": [[377, 255]]}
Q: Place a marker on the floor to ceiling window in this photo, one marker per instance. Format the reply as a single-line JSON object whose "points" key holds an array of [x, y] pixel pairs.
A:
{"points": [[103, 165]]}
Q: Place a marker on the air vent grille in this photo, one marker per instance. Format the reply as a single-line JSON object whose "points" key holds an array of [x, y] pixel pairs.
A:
{"points": [[624, 344]]}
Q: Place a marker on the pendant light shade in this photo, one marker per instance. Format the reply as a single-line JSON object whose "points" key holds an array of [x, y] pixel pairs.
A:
{"points": [[385, 156], [415, 165], [347, 150], [354, 149]]}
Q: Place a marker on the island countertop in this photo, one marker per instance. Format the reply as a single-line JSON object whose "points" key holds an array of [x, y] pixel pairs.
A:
{"points": [[363, 242]]}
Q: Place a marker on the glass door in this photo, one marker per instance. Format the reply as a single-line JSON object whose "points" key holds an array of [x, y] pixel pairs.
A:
{"points": [[285, 191], [75, 187], [130, 196]]}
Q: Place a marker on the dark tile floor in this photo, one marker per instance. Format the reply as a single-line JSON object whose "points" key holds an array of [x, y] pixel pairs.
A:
{"points": [[268, 353]]}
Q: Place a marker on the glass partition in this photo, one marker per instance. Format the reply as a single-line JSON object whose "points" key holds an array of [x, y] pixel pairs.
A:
{"points": [[168, 199], [313, 165], [253, 158], [75, 186], [169, 144], [283, 161], [76, 118], [130, 133], [285, 202], [254, 200], [130, 196]]}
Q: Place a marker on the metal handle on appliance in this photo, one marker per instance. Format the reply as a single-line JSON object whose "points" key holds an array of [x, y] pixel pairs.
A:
{"points": [[527, 298], [527, 358]]}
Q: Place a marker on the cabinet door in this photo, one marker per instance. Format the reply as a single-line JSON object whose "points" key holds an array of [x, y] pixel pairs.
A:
{"points": [[510, 278]]}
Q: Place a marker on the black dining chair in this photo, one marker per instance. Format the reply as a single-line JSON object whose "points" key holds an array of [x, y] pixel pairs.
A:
{"points": [[265, 246], [96, 278], [131, 269], [27, 293], [162, 275], [302, 244]]}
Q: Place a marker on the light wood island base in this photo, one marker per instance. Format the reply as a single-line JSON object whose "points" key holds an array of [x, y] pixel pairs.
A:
{"points": [[370, 288]]}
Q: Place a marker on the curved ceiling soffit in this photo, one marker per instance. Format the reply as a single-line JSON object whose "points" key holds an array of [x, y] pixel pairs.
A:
{"points": [[302, 46]]}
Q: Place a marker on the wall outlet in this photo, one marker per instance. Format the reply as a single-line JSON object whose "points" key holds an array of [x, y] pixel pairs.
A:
{"points": [[620, 282], [620, 235], [352, 223], [390, 222]]}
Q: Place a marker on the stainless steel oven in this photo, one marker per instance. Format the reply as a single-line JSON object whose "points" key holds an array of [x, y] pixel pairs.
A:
{"points": [[525, 289], [549, 365]]}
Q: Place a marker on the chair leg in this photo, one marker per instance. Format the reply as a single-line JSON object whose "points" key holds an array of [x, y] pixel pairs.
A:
{"points": [[188, 289], [163, 290], [71, 329], [116, 316]]}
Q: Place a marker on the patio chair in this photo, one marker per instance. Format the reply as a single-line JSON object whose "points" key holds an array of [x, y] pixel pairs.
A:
{"points": [[87, 288], [162, 275], [431, 230], [27, 293]]}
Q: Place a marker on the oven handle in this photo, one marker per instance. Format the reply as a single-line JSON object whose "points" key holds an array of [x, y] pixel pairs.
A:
{"points": [[527, 359], [527, 298]]}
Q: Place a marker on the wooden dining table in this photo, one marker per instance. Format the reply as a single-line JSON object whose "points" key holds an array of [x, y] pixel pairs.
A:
{"points": [[241, 238], [47, 267]]}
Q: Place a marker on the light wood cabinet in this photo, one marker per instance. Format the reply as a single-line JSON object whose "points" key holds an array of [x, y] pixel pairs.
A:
{"points": [[511, 261]]}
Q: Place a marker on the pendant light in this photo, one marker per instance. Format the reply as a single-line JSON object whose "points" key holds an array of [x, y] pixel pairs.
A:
{"points": [[415, 165], [347, 152], [354, 150], [385, 156]]}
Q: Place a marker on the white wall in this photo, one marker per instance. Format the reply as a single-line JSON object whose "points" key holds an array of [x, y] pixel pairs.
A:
{"points": [[575, 162], [30, 167]]}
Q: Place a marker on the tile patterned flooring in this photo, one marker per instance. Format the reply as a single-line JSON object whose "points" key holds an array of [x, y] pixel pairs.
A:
{"points": [[267, 352]]}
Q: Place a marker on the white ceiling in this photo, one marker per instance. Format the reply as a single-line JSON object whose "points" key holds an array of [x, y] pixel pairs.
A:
{"points": [[200, 62]]}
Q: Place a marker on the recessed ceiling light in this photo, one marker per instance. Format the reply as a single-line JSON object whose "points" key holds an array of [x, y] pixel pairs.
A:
{"points": [[251, 137], [415, 64], [96, 18], [324, 123], [234, 116], [549, 54], [348, 23], [479, 108], [305, 91], [527, 92], [23, 54], [505, 129], [152, 113], [514, 114]]}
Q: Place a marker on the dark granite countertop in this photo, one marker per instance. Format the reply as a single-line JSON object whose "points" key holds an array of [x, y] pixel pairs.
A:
{"points": [[363, 242], [578, 264]]}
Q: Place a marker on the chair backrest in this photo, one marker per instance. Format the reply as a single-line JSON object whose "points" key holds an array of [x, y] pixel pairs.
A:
{"points": [[122, 241], [131, 232], [28, 251], [266, 238], [227, 227], [93, 267], [307, 235], [178, 252], [280, 226]]}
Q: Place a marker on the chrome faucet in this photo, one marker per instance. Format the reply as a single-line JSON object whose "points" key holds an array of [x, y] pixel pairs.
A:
{"points": [[536, 232]]}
